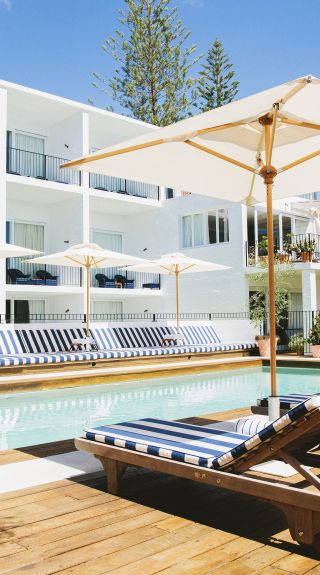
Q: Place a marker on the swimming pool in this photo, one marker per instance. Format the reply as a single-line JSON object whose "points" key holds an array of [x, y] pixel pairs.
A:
{"points": [[42, 416]]}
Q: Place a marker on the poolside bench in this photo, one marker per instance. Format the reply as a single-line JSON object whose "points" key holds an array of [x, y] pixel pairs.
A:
{"points": [[35, 345]]}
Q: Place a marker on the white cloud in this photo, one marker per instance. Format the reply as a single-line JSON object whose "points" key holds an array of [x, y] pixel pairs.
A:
{"points": [[6, 3]]}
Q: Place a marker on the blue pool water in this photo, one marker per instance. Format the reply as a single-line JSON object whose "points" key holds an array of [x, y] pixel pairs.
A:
{"points": [[43, 416]]}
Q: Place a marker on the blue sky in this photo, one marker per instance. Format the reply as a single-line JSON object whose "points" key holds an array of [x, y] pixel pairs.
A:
{"points": [[54, 45]]}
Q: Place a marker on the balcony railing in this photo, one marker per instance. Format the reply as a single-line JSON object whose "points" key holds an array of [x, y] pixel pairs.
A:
{"points": [[254, 254], [120, 278], [40, 166], [122, 186], [19, 272]]}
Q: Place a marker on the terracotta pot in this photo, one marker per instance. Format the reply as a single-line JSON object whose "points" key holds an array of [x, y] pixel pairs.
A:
{"points": [[263, 259], [306, 256], [283, 258], [264, 346], [315, 350], [300, 350]]}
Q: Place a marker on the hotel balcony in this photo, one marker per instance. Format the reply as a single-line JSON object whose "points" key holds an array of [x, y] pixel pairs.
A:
{"points": [[286, 253], [122, 186], [40, 166], [24, 274]]}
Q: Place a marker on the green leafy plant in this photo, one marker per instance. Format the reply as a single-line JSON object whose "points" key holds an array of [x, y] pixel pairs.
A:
{"points": [[258, 304], [314, 334], [263, 246], [296, 343]]}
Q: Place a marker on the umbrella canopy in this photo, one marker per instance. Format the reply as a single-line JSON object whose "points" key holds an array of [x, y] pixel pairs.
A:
{"points": [[87, 256], [12, 251], [274, 134], [175, 264]]}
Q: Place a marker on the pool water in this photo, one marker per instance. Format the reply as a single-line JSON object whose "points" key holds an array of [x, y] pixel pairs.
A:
{"points": [[38, 417]]}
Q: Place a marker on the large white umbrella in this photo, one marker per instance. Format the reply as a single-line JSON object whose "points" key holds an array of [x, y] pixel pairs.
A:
{"points": [[12, 251], [87, 256], [176, 264], [236, 152]]}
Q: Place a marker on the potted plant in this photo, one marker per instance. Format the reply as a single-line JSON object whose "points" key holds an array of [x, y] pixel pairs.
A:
{"points": [[314, 337], [305, 249], [296, 343], [284, 256], [263, 249], [258, 308]]}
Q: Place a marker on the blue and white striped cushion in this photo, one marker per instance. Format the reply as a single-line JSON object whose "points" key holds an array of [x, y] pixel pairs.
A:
{"points": [[50, 340], [193, 444], [169, 439], [286, 401], [268, 432], [200, 334], [141, 336], [105, 337], [10, 342]]}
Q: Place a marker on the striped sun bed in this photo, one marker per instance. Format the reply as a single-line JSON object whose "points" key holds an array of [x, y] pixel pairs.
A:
{"points": [[286, 401], [193, 444]]}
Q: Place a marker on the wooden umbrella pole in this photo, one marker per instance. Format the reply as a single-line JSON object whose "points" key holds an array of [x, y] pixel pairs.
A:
{"points": [[177, 298], [88, 299]]}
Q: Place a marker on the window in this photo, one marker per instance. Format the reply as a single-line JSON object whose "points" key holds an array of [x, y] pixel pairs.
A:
{"points": [[206, 228], [108, 240], [106, 307]]}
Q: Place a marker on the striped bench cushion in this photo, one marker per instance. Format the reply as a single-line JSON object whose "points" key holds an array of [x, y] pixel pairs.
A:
{"points": [[11, 342], [169, 439], [56, 357], [193, 444], [286, 401], [105, 337], [49, 340], [141, 336], [199, 334]]}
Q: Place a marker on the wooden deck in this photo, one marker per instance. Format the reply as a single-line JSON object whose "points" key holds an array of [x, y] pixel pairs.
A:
{"points": [[159, 525]]}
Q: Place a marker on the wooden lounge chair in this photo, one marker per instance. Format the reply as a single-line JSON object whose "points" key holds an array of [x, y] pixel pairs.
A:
{"points": [[223, 459]]}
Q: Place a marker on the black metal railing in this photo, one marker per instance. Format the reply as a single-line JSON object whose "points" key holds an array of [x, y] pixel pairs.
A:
{"points": [[20, 272], [116, 317], [40, 166], [123, 186], [292, 250], [121, 278], [295, 322]]}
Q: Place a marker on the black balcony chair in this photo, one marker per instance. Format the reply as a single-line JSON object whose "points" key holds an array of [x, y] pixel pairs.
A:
{"points": [[14, 274], [124, 281], [46, 276], [103, 280]]}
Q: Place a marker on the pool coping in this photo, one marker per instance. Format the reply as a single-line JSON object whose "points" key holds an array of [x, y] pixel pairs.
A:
{"points": [[78, 377]]}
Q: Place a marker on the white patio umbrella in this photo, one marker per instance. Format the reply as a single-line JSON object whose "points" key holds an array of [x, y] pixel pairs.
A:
{"points": [[87, 256], [12, 251], [176, 264], [274, 134]]}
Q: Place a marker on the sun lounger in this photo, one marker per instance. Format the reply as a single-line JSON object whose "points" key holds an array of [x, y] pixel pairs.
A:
{"points": [[286, 402], [222, 458]]}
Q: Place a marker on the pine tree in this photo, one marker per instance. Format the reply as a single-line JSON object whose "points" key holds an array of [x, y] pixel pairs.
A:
{"points": [[216, 84], [151, 80]]}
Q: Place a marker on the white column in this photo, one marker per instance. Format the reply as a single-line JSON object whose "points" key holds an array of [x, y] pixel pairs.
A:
{"points": [[3, 192], [309, 297]]}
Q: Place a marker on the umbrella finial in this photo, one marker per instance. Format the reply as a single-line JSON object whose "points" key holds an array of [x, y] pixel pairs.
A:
{"points": [[268, 173]]}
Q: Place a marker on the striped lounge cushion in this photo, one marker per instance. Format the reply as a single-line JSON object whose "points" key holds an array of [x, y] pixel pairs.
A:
{"points": [[169, 439], [49, 340], [105, 338], [193, 444], [286, 401], [11, 342], [199, 334], [141, 336]]}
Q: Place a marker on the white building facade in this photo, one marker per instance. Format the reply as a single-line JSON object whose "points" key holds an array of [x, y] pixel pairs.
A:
{"points": [[48, 208]]}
